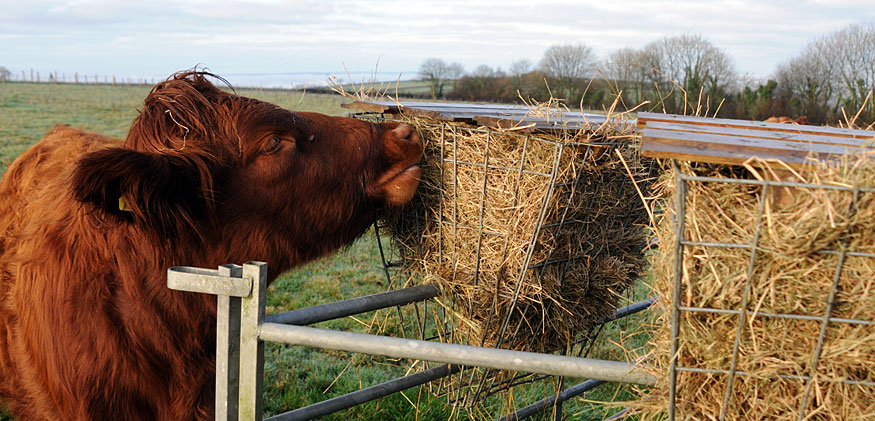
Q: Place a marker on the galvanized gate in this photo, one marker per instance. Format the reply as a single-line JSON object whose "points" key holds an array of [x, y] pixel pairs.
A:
{"points": [[243, 327]]}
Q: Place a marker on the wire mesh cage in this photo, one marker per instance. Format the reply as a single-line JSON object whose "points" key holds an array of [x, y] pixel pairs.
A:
{"points": [[532, 237], [769, 292]]}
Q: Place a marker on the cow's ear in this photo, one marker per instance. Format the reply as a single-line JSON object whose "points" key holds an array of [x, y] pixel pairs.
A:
{"points": [[162, 192]]}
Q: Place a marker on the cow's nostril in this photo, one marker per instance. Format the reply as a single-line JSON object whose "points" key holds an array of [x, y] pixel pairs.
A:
{"points": [[405, 131]]}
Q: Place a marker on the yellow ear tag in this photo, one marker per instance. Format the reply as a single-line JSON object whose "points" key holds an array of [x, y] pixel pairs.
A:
{"points": [[122, 205]]}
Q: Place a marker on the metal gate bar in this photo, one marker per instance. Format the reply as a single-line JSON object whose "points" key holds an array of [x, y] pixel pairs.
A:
{"points": [[501, 359], [229, 284], [349, 400], [543, 404], [241, 335], [336, 310]]}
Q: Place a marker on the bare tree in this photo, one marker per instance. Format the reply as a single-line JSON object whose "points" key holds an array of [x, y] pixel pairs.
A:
{"points": [[852, 50], [831, 73], [520, 67], [626, 73], [439, 73], [566, 64], [691, 62], [456, 70], [565, 61], [807, 80], [483, 71]]}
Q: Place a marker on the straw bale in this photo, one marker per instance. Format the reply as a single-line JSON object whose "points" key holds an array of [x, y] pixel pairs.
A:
{"points": [[533, 249], [792, 273]]}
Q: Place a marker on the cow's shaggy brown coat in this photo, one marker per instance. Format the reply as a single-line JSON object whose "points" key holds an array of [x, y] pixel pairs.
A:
{"points": [[88, 328]]}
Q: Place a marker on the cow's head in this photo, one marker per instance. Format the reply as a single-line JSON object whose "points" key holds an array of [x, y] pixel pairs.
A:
{"points": [[209, 166]]}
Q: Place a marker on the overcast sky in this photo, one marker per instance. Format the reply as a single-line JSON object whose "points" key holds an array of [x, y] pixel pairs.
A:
{"points": [[155, 38]]}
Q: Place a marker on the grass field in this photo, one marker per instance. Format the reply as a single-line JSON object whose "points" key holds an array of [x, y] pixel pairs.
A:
{"points": [[297, 376]]}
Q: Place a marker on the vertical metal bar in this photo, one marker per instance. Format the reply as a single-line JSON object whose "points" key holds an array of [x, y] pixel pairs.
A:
{"points": [[531, 248], [561, 227], [227, 349], [823, 327], [482, 210], [455, 212], [564, 216], [557, 406], [680, 220], [585, 227], [382, 256], [477, 254], [507, 236], [388, 277], [820, 340], [452, 339], [548, 194], [455, 198], [591, 338], [441, 191], [744, 299], [441, 200], [420, 323], [494, 311], [251, 348]]}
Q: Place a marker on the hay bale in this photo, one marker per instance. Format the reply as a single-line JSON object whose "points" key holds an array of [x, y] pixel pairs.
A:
{"points": [[792, 273], [532, 237]]}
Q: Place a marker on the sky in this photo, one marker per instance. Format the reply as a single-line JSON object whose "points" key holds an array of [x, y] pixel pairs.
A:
{"points": [[245, 38]]}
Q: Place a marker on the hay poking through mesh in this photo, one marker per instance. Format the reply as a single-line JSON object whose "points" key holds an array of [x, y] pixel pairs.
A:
{"points": [[534, 236], [794, 266]]}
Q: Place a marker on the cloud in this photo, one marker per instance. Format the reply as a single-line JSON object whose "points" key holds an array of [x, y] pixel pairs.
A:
{"points": [[264, 35]]}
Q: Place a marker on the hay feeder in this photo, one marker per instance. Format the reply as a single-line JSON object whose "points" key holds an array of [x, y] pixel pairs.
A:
{"points": [[529, 219], [766, 271]]}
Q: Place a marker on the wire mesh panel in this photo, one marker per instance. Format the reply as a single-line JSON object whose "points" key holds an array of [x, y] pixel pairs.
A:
{"points": [[770, 281], [532, 237]]}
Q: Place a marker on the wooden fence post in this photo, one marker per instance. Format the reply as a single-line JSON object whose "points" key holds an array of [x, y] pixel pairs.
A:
{"points": [[227, 349], [251, 348]]}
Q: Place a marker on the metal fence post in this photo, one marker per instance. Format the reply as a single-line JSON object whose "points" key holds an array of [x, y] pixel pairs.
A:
{"points": [[228, 349], [251, 348]]}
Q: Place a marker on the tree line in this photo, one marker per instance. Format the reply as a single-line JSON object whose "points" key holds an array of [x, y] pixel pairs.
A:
{"points": [[831, 79]]}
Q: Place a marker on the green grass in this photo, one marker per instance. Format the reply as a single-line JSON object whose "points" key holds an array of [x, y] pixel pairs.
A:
{"points": [[29, 110], [298, 376]]}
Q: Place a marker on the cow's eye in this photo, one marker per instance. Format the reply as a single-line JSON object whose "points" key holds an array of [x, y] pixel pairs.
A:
{"points": [[271, 145]]}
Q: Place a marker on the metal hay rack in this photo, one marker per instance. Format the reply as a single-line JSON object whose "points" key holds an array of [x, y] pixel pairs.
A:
{"points": [[532, 232]]}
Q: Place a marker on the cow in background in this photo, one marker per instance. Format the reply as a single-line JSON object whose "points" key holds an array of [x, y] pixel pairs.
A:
{"points": [[784, 119]]}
